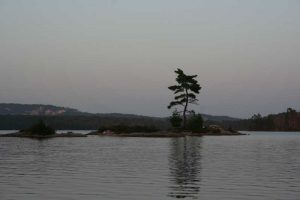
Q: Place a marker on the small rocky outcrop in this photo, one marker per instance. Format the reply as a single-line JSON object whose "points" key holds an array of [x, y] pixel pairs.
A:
{"points": [[218, 130], [213, 130]]}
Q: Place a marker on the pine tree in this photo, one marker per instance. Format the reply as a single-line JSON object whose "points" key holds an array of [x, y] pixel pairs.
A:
{"points": [[185, 92]]}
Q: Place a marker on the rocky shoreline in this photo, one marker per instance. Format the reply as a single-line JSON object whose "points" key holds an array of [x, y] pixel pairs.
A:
{"points": [[165, 134], [158, 134], [212, 130]]}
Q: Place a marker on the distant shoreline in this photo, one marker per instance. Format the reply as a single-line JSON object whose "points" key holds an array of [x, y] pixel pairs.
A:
{"points": [[160, 134]]}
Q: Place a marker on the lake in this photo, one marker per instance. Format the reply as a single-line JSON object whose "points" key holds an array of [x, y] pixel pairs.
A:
{"points": [[258, 166]]}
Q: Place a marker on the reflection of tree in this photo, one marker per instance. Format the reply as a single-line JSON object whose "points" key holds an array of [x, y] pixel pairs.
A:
{"points": [[185, 167]]}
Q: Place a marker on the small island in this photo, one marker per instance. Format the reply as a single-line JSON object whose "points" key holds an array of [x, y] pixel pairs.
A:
{"points": [[184, 123], [40, 131], [148, 131]]}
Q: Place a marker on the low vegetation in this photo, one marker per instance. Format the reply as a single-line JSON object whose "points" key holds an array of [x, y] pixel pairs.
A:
{"points": [[195, 123]]}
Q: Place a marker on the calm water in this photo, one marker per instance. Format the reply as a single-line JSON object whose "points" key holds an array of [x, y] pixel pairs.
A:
{"points": [[259, 166]]}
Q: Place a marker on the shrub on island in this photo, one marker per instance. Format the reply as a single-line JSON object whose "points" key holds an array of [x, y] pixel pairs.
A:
{"points": [[175, 119], [195, 123], [40, 129]]}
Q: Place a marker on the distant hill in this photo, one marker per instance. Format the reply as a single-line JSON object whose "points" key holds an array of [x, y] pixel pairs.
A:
{"points": [[51, 110], [20, 116], [36, 110], [77, 122]]}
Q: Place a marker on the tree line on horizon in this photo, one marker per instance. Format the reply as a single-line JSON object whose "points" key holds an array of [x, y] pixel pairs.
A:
{"points": [[285, 121]]}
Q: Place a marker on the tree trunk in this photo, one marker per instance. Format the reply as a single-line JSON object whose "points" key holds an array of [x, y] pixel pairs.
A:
{"points": [[185, 108]]}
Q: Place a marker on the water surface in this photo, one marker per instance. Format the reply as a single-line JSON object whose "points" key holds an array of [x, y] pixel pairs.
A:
{"points": [[259, 166]]}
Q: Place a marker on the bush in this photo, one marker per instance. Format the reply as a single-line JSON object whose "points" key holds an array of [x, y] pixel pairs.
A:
{"points": [[176, 119], [41, 129], [195, 123]]}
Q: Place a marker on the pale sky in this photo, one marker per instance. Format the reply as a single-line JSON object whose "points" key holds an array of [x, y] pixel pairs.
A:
{"points": [[119, 55]]}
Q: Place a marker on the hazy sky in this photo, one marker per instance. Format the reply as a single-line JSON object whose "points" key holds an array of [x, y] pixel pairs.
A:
{"points": [[119, 56]]}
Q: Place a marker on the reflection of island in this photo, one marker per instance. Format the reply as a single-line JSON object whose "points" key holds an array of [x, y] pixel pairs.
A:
{"points": [[185, 167]]}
